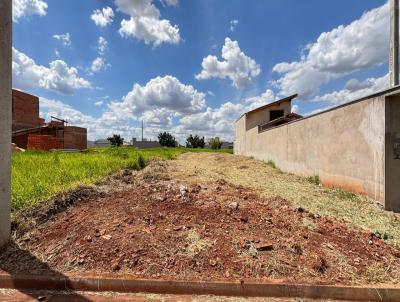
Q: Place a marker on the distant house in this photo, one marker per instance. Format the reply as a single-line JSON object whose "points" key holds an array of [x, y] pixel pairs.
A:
{"points": [[263, 118], [144, 144], [101, 143]]}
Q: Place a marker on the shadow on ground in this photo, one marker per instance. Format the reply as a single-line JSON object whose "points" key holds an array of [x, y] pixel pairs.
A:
{"points": [[18, 262]]}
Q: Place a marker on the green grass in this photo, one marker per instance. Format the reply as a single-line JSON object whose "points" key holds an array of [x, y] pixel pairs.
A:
{"points": [[37, 176], [271, 163]]}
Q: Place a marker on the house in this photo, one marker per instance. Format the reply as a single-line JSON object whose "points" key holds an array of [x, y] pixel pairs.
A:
{"points": [[29, 131], [263, 118], [144, 143], [354, 146]]}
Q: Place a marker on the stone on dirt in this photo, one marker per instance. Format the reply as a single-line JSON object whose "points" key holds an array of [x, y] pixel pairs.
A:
{"points": [[234, 205], [264, 246], [183, 189]]}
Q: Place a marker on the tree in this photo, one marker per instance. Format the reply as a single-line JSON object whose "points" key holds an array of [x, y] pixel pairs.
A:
{"points": [[167, 140], [215, 143], [195, 142], [116, 140]]}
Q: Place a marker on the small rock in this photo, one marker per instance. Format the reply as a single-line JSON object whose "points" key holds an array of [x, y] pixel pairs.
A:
{"points": [[264, 246], [106, 237], [268, 220], [183, 189], [330, 246], [81, 261], [213, 262], [88, 238], [177, 228], [300, 209], [42, 298], [234, 205], [102, 232]]}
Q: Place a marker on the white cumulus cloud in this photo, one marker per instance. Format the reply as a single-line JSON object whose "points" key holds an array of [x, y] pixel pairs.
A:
{"points": [[355, 89], [98, 65], [58, 76], [145, 23], [102, 17], [21, 8], [235, 65], [166, 93], [102, 45], [64, 38], [345, 49]]}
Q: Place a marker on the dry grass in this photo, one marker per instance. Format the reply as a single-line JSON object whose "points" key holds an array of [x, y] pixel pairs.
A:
{"points": [[357, 210], [196, 245], [309, 224]]}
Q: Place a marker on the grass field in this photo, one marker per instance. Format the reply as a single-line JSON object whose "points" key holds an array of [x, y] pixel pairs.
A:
{"points": [[37, 176]]}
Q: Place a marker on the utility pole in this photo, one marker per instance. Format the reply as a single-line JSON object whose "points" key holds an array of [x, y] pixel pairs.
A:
{"points": [[394, 43], [5, 119], [142, 130]]}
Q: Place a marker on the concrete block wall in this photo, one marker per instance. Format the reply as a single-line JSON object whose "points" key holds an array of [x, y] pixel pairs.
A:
{"points": [[351, 147]]}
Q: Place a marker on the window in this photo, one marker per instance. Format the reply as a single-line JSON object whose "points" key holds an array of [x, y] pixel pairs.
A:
{"points": [[274, 114]]}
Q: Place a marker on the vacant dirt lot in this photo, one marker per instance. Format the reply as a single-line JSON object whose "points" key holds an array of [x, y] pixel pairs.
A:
{"points": [[207, 216]]}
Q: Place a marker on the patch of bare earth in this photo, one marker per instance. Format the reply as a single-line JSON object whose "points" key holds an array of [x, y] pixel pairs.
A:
{"points": [[182, 220]]}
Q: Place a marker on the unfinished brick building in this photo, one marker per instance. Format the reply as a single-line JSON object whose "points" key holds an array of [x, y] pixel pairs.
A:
{"points": [[29, 131]]}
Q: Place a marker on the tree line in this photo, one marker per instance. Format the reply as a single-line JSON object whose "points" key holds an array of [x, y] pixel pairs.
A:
{"points": [[166, 139], [192, 141]]}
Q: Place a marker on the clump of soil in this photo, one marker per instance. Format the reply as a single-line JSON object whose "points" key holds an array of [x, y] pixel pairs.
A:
{"points": [[164, 228]]}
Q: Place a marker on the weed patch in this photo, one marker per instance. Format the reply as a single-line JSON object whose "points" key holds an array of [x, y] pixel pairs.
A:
{"points": [[195, 244], [271, 164], [314, 180]]}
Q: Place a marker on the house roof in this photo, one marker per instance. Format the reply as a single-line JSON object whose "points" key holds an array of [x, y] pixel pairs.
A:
{"points": [[284, 100]]}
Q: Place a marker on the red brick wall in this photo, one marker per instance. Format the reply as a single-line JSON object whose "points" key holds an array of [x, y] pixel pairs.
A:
{"points": [[75, 138], [21, 141], [25, 110], [42, 142]]}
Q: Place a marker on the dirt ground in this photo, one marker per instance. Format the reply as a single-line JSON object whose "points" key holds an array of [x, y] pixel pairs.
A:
{"points": [[186, 219]]}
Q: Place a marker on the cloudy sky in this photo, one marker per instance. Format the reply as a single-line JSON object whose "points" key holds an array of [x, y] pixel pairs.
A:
{"points": [[194, 66]]}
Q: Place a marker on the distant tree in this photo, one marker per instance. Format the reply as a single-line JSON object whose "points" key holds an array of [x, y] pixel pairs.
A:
{"points": [[195, 142], [167, 140], [116, 140], [215, 143]]}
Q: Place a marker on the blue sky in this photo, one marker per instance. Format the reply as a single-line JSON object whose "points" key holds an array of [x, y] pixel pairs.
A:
{"points": [[194, 66]]}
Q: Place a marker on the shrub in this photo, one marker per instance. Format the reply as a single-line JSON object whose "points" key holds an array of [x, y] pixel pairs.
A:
{"points": [[167, 140], [195, 142], [271, 163], [314, 180], [116, 140], [215, 143]]}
